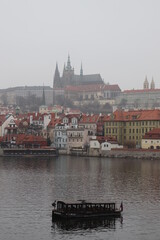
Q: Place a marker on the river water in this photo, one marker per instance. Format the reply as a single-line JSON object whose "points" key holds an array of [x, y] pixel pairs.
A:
{"points": [[28, 186]]}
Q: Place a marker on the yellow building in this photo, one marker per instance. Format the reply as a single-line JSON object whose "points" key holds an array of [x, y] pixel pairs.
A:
{"points": [[131, 126]]}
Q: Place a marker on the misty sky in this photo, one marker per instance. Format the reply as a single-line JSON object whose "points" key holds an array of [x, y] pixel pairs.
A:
{"points": [[120, 39]]}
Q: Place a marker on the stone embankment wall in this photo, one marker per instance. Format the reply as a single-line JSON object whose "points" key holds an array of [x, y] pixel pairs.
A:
{"points": [[131, 153], [115, 153], [1, 152], [119, 153]]}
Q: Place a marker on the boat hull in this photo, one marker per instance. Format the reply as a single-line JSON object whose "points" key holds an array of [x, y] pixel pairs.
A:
{"points": [[58, 215]]}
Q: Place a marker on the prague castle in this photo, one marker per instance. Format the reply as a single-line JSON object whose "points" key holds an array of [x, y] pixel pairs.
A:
{"points": [[70, 78]]}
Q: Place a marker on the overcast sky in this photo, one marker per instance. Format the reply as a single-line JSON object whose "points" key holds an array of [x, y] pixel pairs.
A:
{"points": [[120, 39]]}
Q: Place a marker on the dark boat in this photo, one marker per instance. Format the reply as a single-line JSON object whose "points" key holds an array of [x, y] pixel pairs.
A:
{"points": [[37, 152], [84, 210]]}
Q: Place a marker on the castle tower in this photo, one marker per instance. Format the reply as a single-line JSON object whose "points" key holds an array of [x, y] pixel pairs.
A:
{"points": [[57, 79], [43, 97], [81, 71], [152, 86], [68, 74], [68, 64], [146, 84]]}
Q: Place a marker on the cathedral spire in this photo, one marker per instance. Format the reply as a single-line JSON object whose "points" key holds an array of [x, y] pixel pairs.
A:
{"points": [[146, 83], [69, 63], [56, 80], [81, 71], [43, 97], [152, 84]]}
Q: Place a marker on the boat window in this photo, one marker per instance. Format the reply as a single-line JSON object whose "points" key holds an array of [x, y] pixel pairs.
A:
{"points": [[74, 206], [59, 205]]}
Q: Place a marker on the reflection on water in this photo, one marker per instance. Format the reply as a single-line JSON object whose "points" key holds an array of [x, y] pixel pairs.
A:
{"points": [[68, 225]]}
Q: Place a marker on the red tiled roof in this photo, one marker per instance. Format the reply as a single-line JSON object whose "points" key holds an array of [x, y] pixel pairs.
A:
{"points": [[71, 115], [22, 138], [153, 134], [92, 88], [137, 115], [141, 90], [54, 121], [89, 118]]}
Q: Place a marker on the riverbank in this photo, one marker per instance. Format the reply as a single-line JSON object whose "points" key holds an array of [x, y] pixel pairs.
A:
{"points": [[114, 153], [117, 153]]}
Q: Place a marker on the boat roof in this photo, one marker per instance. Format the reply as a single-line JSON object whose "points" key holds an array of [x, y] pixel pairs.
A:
{"points": [[82, 201]]}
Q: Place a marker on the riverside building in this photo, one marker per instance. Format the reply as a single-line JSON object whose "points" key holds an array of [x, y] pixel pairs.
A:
{"points": [[131, 126]]}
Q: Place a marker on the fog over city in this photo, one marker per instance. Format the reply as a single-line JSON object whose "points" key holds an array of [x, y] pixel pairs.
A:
{"points": [[118, 39]]}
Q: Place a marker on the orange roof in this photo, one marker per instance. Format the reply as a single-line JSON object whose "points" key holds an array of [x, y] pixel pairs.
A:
{"points": [[153, 134], [54, 121], [93, 118], [137, 115], [22, 138], [71, 115], [92, 88], [141, 90]]}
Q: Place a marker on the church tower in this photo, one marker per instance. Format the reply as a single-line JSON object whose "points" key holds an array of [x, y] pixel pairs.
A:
{"points": [[43, 97], [68, 74], [146, 84], [57, 79], [152, 84], [81, 71]]}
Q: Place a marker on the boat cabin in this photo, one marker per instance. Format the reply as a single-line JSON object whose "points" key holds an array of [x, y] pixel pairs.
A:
{"points": [[83, 206]]}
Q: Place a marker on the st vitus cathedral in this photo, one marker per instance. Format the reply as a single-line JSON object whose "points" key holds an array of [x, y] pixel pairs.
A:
{"points": [[70, 78]]}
